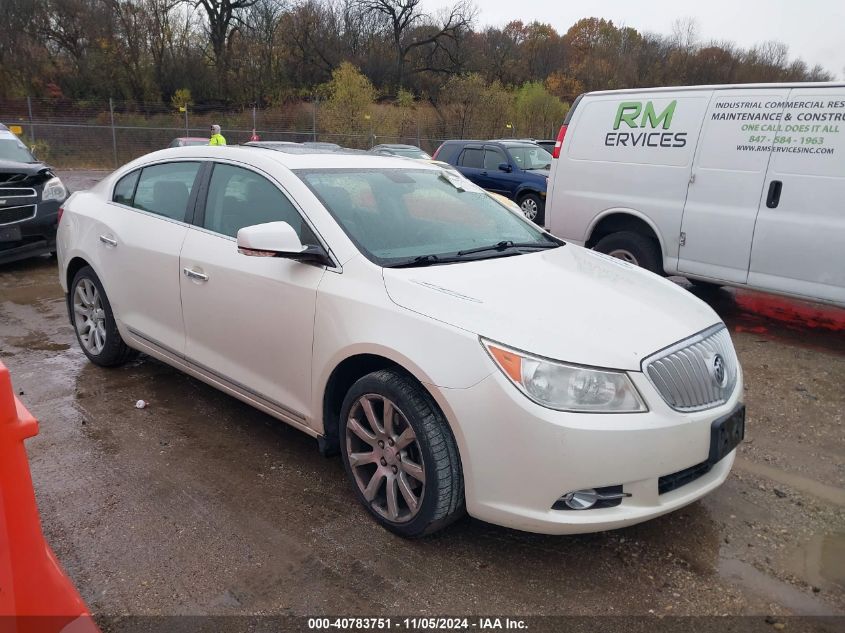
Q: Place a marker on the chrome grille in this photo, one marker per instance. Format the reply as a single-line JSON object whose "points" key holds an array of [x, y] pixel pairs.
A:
{"points": [[16, 214], [686, 374]]}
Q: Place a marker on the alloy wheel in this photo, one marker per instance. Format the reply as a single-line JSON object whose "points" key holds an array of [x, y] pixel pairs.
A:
{"points": [[529, 208], [385, 458], [89, 316], [624, 255]]}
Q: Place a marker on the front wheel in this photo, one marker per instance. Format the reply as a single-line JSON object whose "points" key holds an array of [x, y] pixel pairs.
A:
{"points": [[634, 248], [400, 454], [93, 321], [533, 208]]}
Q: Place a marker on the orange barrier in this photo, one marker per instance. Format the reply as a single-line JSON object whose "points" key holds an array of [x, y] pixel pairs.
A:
{"points": [[35, 594]]}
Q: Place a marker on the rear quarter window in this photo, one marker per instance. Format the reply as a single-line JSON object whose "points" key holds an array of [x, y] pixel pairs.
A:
{"points": [[125, 188]]}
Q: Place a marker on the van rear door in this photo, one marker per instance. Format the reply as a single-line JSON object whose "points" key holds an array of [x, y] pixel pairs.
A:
{"points": [[799, 238], [727, 181]]}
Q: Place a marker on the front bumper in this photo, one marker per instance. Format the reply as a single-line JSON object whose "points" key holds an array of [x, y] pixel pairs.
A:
{"points": [[518, 458], [38, 234]]}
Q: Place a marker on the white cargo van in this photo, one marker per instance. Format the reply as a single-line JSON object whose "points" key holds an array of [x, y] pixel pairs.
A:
{"points": [[741, 185]]}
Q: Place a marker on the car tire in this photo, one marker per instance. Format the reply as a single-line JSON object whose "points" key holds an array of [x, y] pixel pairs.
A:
{"points": [[407, 472], [634, 248], [93, 321], [533, 208]]}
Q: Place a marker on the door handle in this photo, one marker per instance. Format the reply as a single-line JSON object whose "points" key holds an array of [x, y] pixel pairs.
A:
{"points": [[193, 274], [108, 241], [773, 199]]}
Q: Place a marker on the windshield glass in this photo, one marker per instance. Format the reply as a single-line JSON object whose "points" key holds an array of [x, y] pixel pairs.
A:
{"points": [[395, 216], [530, 156], [14, 150], [411, 153]]}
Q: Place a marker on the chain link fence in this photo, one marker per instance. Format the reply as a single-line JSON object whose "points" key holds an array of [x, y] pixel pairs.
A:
{"points": [[106, 134]]}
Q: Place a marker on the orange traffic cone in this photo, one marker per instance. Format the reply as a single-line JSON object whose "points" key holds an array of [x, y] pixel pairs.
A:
{"points": [[33, 588]]}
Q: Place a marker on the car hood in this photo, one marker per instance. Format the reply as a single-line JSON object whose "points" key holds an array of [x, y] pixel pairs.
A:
{"points": [[14, 167], [568, 303]]}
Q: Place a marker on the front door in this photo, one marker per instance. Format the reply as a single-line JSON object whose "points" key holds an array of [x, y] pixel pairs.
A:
{"points": [[249, 320], [727, 182], [799, 239]]}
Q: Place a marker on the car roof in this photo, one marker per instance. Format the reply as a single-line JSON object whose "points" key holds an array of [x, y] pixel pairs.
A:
{"points": [[291, 157], [3, 128]]}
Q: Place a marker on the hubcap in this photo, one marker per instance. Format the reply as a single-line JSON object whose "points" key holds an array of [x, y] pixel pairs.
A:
{"points": [[385, 458], [625, 255], [89, 316], [529, 208]]}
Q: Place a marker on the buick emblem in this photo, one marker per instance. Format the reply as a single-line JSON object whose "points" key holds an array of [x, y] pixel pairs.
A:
{"points": [[717, 370]]}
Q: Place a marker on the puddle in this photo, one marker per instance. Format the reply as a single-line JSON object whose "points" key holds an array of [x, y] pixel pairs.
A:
{"points": [[769, 588], [821, 561], [831, 494], [37, 342]]}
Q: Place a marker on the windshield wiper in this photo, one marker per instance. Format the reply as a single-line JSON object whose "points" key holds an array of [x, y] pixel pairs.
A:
{"points": [[506, 244], [422, 260]]}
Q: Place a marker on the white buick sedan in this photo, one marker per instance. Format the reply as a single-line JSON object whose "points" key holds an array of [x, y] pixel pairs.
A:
{"points": [[458, 357]]}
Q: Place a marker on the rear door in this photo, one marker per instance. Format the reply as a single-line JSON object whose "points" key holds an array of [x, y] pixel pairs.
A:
{"points": [[471, 163], [799, 238], [494, 179], [726, 185], [139, 243]]}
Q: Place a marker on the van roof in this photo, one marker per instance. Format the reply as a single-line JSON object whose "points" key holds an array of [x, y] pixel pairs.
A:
{"points": [[795, 84]]}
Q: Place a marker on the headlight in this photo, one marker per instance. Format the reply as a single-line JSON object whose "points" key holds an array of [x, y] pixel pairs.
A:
{"points": [[566, 387], [54, 190]]}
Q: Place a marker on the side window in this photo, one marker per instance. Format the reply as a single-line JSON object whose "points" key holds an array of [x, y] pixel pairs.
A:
{"points": [[125, 188], [239, 197], [493, 158], [472, 158], [165, 189]]}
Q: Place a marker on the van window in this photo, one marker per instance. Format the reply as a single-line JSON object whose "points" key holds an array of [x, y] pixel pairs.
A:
{"points": [[472, 157], [165, 189], [645, 128]]}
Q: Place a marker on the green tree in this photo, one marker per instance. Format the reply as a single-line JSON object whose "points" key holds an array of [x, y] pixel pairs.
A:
{"points": [[350, 105], [537, 112]]}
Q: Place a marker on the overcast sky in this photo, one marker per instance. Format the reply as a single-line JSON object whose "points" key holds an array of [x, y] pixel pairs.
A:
{"points": [[814, 30]]}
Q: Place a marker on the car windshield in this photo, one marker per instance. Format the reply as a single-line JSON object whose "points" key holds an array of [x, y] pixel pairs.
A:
{"points": [[530, 156], [410, 152], [404, 217], [14, 150]]}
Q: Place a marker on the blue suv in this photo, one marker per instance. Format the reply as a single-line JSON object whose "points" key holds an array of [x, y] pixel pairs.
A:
{"points": [[516, 169]]}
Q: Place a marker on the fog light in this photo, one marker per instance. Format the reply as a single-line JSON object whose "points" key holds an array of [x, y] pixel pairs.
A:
{"points": [[605, 497], [580, 499]]}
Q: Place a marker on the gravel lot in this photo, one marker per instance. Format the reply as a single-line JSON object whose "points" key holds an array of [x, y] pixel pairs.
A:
{"points": [[199, 504]]}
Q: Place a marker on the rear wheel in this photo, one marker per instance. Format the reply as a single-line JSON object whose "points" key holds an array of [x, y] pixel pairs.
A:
{"points": [[400, 454], [634, 248], [532, 207], [93, 321]]}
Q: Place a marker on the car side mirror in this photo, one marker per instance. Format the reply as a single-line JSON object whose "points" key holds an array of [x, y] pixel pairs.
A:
{"points": [[505, 167], [278, 239]]}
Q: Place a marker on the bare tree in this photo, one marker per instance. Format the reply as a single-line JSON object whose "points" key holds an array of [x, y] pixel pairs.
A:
{"points": [[224, 19], [406, 25]]}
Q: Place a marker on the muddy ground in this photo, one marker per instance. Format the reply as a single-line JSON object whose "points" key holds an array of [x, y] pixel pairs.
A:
{"points": [[199, 504]]}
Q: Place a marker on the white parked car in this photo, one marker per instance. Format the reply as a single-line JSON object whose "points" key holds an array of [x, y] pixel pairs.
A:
{"points": [[727, 185], [456, 355]]}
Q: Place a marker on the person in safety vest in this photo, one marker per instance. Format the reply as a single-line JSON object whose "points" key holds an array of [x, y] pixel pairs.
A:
{"points": [[216, 137]]}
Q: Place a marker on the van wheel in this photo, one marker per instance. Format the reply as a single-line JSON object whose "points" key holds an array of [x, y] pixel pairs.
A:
{"points": [[634, 248], [533, 208], [93, 321], [400, 454]]}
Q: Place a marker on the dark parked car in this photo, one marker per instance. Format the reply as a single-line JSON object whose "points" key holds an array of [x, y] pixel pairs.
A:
{"points": [[547, 145], [396, 149], [187, 141], [518, 170], [30, 196]]}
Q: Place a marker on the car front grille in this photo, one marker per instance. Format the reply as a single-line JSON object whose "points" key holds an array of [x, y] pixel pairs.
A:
{"points": [[16, 214], [697, 373]]}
